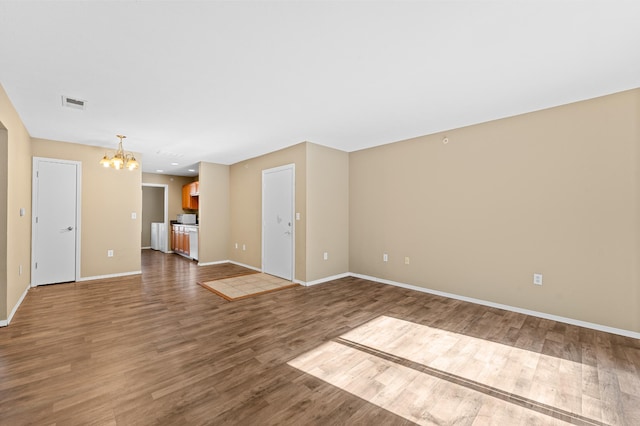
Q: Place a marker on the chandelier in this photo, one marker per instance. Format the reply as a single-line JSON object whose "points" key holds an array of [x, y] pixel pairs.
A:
{"points": [[120, 159]]}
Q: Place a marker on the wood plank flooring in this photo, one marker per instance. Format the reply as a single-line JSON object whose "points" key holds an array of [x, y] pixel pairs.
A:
{"points": [[160, 349]]}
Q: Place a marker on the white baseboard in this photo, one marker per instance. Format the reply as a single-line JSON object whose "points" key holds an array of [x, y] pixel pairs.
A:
{"points": [[100, 277], [580, 323], [585, 324], [146, 248], [4, 323], [323, 280], [245, 266], [218, 262]]}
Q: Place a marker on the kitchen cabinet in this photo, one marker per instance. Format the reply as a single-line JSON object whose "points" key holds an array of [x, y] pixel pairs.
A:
{"points": [[181, 240], [185, 243], [177, 240], [190, 196]]}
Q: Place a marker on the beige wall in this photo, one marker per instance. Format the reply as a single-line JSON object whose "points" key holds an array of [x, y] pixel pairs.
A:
{"points": [[213, 207], [552, 192], [322, 199], [327, 212], [4, 145], [15, 191], [109, 197], [246, 206], [152, 211]]}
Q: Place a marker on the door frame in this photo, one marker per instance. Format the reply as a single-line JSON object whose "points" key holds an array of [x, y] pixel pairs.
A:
{"points": [[165, 249], [291, 167], [34, 211]]}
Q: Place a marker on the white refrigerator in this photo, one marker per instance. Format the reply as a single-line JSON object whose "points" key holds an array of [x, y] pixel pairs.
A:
{"points": [[159, 236]]}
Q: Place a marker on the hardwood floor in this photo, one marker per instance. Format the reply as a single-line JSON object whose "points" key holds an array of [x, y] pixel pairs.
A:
{"points": [[160, 349]]}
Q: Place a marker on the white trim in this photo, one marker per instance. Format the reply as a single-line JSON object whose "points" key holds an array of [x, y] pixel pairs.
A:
{"points": [[323, 280], [245, 266], [100, 277], [217, 262], [599, 327], [6, 322], [291, 167], [220, 262], [145, 248], [78, 218]]}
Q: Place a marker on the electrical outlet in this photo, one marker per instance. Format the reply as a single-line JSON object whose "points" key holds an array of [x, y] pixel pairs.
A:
{"points": [[537, 279], [134, 215], [385, 257], [236, 245], [407, 260], [244, 247], [109, 253], [326, 255], [20, 270]]}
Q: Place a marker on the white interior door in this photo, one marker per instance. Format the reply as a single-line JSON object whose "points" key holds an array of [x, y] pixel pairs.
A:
{"points": [[55, 221], [277, 221]]}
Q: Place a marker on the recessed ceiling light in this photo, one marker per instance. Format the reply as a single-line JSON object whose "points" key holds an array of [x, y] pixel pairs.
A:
{"points": [[192, 170], [174, 164], [159, 171]]}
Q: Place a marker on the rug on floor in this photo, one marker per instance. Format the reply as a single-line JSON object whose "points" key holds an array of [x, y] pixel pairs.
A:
{"points": [[244, 286]]}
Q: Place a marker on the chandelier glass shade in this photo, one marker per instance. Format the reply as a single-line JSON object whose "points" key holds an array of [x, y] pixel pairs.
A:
{"points": [[120, 159]]}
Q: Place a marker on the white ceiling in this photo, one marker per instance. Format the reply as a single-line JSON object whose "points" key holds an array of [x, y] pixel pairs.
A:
{"points": [[191, 81]]}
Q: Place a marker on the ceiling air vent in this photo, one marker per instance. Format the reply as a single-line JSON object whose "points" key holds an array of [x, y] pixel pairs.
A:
{"points": [[73, 103]]}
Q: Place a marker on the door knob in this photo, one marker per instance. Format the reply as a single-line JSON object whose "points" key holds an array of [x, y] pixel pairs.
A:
{"points": [[68, 228]]}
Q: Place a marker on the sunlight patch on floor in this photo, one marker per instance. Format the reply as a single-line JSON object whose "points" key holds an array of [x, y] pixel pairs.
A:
{"points": [[433, 376]]}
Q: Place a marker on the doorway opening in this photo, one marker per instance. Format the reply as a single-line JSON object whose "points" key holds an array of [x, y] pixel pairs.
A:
{"points": [[155, 217]]}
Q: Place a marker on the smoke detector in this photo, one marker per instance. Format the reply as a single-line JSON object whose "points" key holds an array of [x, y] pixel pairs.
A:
{"points": [[73, 103]]}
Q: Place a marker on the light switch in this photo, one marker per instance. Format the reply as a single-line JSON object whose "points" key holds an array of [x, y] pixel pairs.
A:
{"points": [[22, 211], [134, 215], [297, 216]]}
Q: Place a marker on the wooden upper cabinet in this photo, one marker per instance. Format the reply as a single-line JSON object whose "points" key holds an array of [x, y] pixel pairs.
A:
{"points": [[194, 203], [186, 197], [190, 194]]}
